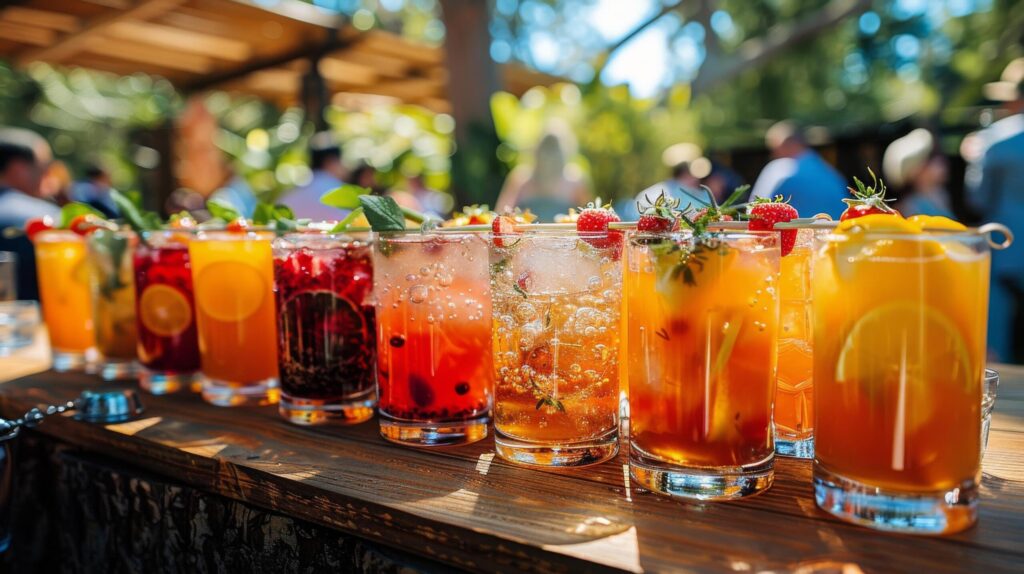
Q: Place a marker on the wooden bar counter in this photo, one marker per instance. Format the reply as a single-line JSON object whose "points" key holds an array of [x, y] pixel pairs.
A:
{"points": [[193, 487]]}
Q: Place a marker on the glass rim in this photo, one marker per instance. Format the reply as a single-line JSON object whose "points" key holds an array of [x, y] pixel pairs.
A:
{"points": [[926, 235], [250, 234], [687, 233]]}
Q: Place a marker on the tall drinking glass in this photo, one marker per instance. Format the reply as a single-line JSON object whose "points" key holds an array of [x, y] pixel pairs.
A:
{"points": [[434, 373], [233, 280], [109, 254], [703, 321], [557, 303], [325, 328], [64, 293], [899, 357], [794, 398], [168, 342]]}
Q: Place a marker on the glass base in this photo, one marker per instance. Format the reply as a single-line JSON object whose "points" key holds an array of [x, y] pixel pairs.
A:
{"points": [[723, 483], [162, 383], [232, 394], [64, 361], [936, 512], [117, 369], [786, 446], [584, 453], [315, 412], [451, 433]]}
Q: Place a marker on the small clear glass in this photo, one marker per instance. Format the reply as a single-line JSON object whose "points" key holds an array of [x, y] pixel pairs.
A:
{"points": [[19, 321], [8, 276], [988, 403], [325, 327]]}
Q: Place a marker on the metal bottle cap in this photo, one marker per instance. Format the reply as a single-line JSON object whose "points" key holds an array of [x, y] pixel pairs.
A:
{"points": [[108, 406]]}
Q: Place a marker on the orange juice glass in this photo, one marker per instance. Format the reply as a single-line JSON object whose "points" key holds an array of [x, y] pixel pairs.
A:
{"points": [[899, 357], [233, 279], [794, 398], [109, 254], [702, 328], [64, 293]]}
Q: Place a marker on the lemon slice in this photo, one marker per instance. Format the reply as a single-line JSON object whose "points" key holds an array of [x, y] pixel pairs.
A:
{"points": [[164, 310], [230, 291], [909, 348], [936, 222]]}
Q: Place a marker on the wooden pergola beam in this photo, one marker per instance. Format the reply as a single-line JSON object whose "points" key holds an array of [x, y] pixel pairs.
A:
{"points": [[39, 18], [73, 42], [182, 40]]}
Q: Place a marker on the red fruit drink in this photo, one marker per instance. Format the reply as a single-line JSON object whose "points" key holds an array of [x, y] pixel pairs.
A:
{"points": [[168, 348], [325, 326]]}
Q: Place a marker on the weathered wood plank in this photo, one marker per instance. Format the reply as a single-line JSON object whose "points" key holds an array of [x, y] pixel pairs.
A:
{"points": [[463, 507]]}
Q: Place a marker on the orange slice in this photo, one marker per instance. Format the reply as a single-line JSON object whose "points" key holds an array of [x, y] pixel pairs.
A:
{"points": [[164, 310], [230, 291]]}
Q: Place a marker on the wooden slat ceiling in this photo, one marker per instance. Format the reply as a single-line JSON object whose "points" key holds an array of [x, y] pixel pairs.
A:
{"points": [[234, 45]]}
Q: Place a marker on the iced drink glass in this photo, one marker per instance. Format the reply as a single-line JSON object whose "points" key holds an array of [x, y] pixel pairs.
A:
{"points": [[557, 304], [112, 281], [63, 274], [325, 326], [899, 359], [434, 369], [702, 328], [794, 398], [168, 347], [233, 280]]}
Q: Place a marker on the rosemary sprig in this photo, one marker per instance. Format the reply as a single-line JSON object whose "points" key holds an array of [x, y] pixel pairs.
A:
{"points": [[546, 399]]}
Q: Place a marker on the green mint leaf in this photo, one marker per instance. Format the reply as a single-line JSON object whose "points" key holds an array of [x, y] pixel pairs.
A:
{"points": [[282, 211], [222, 210], [383, 213], [345, 197], [138, 219], [262, 215]]}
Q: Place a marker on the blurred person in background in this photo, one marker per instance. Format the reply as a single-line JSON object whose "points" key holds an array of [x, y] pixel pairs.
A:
{"points": [[799, 174], [364, 176], [549, 185], [237, 193], [683, 184], [95, 189], [916, 169], [998, 195], [325, 163], [20, 177], [419, 197], [722, 181]]}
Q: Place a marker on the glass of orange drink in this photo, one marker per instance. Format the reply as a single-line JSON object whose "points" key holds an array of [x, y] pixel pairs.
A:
{"points": [[794, 398], [109, 253], [557, 304], [233, 279], [433, 311], [702, 330], [63, 274], [899, 357]]}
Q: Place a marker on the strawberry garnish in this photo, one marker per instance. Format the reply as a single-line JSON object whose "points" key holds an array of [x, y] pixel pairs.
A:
{"points": [[705, 212], [87, 223], [593, 220], [658, 216], [503, 228], [867, 200], [764, 214], [37, 224], [238, 225]]}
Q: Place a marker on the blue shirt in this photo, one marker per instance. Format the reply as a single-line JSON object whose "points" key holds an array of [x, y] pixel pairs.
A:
{"points": [[305, 201], [810, 184], [999, 195]]}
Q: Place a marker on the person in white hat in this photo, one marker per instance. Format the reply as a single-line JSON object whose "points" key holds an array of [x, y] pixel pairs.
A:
{"points": [[999, 196], [914, 167]]}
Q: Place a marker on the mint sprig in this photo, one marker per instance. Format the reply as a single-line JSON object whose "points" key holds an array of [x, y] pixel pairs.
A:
{"points": [[345, 197], [137, 218], [384, 214], [222, 210], [69, 212]]}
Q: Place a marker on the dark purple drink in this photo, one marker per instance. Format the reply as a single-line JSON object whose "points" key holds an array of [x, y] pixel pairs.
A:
{"points": [[326, 351]]}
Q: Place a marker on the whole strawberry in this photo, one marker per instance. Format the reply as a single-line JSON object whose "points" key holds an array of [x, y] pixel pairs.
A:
{"points": [[764, 214], [658, 216], [593, 222], [867, 200]]}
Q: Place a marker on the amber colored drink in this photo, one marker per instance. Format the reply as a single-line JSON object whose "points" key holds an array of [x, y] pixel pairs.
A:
{"points": [[794, 399], [109, 254], [233, 279], [557, 302], [702, 327], [434, 369], [899, 355], [63, 275]]}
